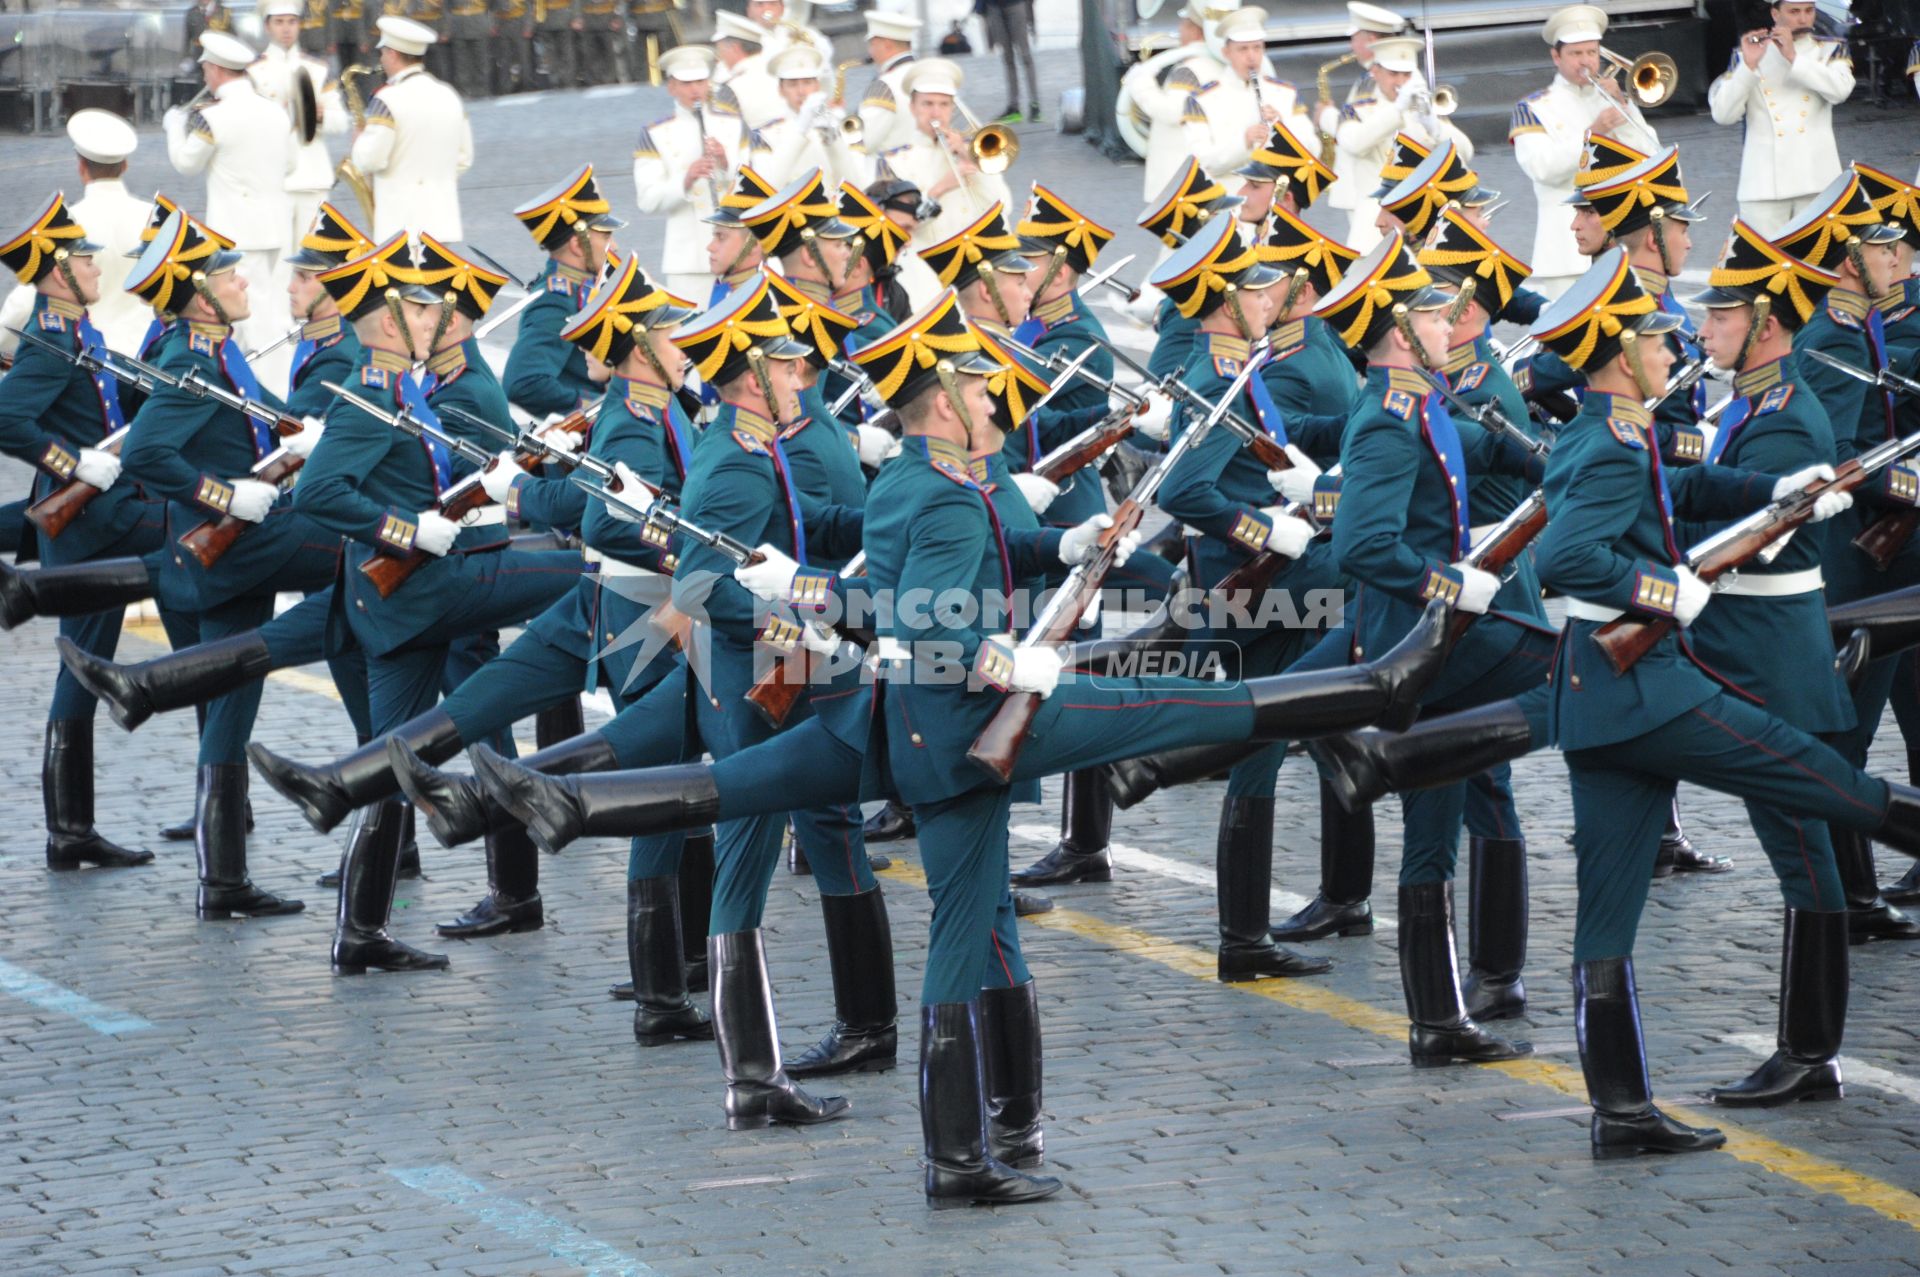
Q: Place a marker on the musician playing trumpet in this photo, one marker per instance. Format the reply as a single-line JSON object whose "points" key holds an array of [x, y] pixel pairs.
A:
{"points": [[683, 164], [940, 161], [1401, 102], [1782, 85], [1549, 131], [810, 135]]}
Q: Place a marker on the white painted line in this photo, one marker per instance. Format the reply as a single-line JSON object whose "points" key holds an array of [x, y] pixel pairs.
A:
{"points": [[611, 91], [521, 1222], [1285, 903], [23, 984], [518, 99], [1852, 1071], [1529, 1115]]}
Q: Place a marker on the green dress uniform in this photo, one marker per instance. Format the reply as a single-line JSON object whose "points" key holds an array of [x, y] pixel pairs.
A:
{"points": [[327, 351], [546, 374]]}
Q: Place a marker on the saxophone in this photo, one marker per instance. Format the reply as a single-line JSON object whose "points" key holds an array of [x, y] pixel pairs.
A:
{"points": [[348, 172], [1323, 80]]}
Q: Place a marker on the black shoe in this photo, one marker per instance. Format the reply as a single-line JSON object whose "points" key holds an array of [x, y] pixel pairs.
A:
{"points": [[190, 676], [1132, 781], [372, 866], [182, 832], [1086, 825], [1441, 1032], [1030, 904], [455, 806], [1243, 860], [558, 809], [221, 850], [878, 862], [66, 790], [797, 863], [662, 1010], [1496, 929], [1813, 1015], [759, 1092], [1342, 906], [1364, 767], [71, 589], [1322, 918], [1606, 1019], [326, 795], [512, 902], [1678, 855], [1384, 691], [863, 1038], [1010, 1060], [891, 823], [960, 1171], [1869, 915], [1907, 889]]}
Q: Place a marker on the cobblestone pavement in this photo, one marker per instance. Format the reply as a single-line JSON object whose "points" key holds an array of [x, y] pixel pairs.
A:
{"points": [[185, 1097]]}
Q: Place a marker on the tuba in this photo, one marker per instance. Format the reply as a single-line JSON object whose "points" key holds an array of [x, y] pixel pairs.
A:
{"points": [[347, 171]]}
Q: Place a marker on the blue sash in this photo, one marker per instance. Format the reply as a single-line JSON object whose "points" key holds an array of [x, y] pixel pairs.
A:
{"points": [[233, 366], [1444, 438], [105, 385], [1265, 410], [1031, 329], [1735, 417], [792, 498], [414, 397], [1877, 343]]}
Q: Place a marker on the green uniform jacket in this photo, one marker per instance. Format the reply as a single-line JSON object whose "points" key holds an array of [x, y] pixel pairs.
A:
{"points": [[1070, 327], [546, 373], [329, 354], [1477, 378]]}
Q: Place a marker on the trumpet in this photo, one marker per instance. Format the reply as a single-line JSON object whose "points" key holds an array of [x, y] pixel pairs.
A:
{"points": [[1652, 78]]}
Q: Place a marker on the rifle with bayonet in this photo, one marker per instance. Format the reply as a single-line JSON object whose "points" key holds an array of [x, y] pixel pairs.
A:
{"points": [[1884, 538], [1000, 742]]}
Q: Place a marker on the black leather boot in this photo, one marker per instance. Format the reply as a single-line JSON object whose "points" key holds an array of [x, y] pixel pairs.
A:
{"points": [[1132, 781], [1364, 767], [512, 902], [759, 1092], [892, 823], [327, 793], [1243, 868], [1891, 621], [1086, 827], [1442, 1032], [190, 676], [1343, 905], [797, 863], [863, 1038], [1813, 1015], [558, 809], [367, 878], [1869, 916], [558, 723], [73, 589], [220, 845], [1907, 889], [66, 790], [662, 1010], [1009, 1021], [409, 845], [696, 904], [960, 1170], [456, 806], [1031, 904], [1496, 928], [1900, 827], [184, 832], [1606, 1020], [1385, 691], [1678, 854]]}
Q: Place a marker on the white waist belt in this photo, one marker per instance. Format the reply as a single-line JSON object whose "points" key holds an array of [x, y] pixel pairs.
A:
{"points": [[1475, 534], [1581, 610], [612, 566], [1772, 585], [888, 650], [486, 516]]}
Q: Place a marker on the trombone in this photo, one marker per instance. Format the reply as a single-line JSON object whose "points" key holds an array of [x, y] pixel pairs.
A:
{"points": [[992, 146], [1651, 78]]}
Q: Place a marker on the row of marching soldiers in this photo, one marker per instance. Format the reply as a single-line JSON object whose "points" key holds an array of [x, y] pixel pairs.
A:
{"points": [[1421, 488]]}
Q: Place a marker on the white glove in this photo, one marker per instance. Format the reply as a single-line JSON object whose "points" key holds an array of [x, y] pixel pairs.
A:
{"points": [[1289, 535], [1692, 597], [174, 119], [819, 639], [1155, 421], [97, 469], [876, 446], [1477, 588], [436, 533], [1038, 492], [497, 479], [564, 441], [771, 578], [252, 499], [1078, 543], [301, 444], [1295, 484], [1792, 483], [1036, 669], [635, 491]]}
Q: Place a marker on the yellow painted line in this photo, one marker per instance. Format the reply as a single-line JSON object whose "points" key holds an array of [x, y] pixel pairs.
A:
{"points": [[1819, 1174]]}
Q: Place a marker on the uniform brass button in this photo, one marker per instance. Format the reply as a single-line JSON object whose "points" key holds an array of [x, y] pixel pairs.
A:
{"points": [[361, 604], [916, 738], [1575, 680], [1359, 654]]}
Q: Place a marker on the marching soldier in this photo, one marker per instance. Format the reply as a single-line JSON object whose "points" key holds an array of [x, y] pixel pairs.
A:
{"points": [[52, 415], [682, 167], [1282, 174], [417, 141], [1437, 181], [733, 252], [113, 219], [603, 41], [469, 32], [1549, 132], [1399, 104], [805, 136], [885, 122], [546, 374], [939, 161], [1190, 199], [512, 46], [327, 349], [555, 27], [1781, 86], [1229, 117], [882, 240], [346, 23], [273, 76], [741, 46], [244, 146]]}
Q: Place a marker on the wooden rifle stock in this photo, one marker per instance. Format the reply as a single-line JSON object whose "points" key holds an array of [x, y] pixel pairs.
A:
{"points": [[1884, 538], [1499, 555], [1005, 734], [777, 690], [579, 422], [389, 572], [207, 541], [1081, 451], [1624, 640], [53, 513]]}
